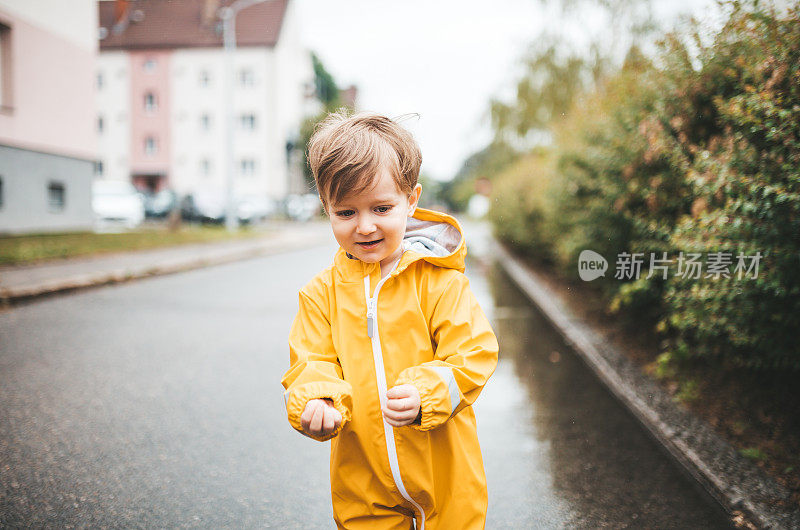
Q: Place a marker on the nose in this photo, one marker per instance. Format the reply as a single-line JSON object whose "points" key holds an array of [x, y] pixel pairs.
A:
{"points": [[365, 225]]}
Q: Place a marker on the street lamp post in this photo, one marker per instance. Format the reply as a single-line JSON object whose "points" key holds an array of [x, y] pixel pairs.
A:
{"points": [[228, 16]]}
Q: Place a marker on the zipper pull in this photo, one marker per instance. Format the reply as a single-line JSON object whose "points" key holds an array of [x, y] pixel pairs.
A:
{"points": [[370, 318]]}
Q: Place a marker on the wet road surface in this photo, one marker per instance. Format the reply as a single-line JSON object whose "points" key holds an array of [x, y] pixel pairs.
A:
{"points": [[158, 404], [559, 450]]}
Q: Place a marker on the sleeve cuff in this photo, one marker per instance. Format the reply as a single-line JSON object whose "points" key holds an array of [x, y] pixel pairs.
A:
{"points": [[297, 398], [438, 393]]}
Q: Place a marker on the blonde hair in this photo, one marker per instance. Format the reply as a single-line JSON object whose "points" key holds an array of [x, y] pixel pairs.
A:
{"points": [[347, 152]]}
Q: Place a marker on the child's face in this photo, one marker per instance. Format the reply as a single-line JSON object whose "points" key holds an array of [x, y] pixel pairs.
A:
{"points": [[370, 225]]}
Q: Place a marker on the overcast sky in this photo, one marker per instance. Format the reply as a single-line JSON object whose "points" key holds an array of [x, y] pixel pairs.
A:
{"points": [[442, 59]]}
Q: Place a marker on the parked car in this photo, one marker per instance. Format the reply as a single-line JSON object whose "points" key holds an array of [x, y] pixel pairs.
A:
{"points": [[159, 205], [203, 207], [208, 207], [253, 209], [116, 204], [302, 207]]}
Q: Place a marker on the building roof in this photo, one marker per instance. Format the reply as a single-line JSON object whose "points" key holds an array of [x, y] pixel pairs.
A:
{"points": [[148, 24]]}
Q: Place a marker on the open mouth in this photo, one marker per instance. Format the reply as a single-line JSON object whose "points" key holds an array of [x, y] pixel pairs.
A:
{"points": [[369, 244]]}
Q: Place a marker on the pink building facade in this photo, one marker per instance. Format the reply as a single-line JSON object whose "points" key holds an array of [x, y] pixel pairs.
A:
{"points": [[150, 119]]}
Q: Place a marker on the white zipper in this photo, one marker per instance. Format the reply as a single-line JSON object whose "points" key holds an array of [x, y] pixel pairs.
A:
{"points": [[380, 373], [372, 318]]}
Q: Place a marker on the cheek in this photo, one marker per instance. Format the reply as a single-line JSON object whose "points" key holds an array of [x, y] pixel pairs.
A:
{"points": [[339, 229], [397, 227]]}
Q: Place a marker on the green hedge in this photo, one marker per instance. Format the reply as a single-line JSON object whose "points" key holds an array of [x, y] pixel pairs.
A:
{"points": [[684, 152], [520, 215]]}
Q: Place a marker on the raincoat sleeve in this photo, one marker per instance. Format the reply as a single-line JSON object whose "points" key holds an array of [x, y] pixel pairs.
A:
{"points": [[314, 372], [465, 356]]}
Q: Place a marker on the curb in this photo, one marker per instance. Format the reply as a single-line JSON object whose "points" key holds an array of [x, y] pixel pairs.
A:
{"points": [[14, 295], [739, 486]]}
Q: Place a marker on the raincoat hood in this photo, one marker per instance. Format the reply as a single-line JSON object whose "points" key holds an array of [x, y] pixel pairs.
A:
{"points": [[431, 236]]}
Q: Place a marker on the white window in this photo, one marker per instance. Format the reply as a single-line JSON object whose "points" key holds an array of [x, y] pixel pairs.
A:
{"points": [[247, 78], [247, 167], [150, 146], [100, 80], [248, 121], [150, 102], [205, 78], [149, 66], [56, 196], [100, 125], [98, 168], [205, 122]]}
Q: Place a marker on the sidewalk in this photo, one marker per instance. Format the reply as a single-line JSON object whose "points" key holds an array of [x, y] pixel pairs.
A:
{"points": [[25, 282]]}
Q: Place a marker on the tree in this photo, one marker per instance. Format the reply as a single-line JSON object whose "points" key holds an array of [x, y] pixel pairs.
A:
{"points": [[327, 92], [325, 86]]}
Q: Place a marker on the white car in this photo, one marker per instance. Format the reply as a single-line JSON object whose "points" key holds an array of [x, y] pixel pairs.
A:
{"points": [[116, 204], [253, 209], [303, 207]]}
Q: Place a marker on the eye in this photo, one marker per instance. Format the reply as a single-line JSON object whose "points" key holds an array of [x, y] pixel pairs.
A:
{"points": [[344, 213], [382, 209]]}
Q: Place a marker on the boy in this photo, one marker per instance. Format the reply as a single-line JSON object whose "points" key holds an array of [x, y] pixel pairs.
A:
{"points": [[389, 347]]}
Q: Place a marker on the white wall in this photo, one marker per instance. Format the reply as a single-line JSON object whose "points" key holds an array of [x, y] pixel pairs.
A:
{"points": [[113, 104], [191, 144], [294, 71]]}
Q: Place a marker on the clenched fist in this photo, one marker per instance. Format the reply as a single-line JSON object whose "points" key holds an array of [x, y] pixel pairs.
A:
{"points": [[402, 405], [320, 417]]}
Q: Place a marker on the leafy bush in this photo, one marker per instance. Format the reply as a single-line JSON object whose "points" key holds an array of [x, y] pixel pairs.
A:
{"points": [[520, 211], [685, 152], [745, 175]]}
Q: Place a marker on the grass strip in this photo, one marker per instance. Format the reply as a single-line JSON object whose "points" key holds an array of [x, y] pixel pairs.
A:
{"points": [[32, 248]]}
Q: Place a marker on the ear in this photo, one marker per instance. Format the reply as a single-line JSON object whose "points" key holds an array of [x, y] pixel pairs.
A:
{"points": [[413, 199]]}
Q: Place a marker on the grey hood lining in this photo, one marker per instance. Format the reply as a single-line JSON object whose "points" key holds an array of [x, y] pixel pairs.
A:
{"points": [[431, 238]]}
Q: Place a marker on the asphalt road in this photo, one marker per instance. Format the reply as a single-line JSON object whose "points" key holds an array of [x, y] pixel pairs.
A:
{"points": [[158, 404]]}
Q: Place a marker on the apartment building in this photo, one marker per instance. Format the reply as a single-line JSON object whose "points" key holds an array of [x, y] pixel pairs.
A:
{"points": [[161, 105]]}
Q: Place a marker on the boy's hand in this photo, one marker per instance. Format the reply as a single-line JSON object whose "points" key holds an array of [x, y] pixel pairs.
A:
{"points": [[320, 417], [402, 405]]}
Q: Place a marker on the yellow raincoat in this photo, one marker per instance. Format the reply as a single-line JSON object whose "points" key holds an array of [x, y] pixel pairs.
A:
{"points": [[354, 337]]}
